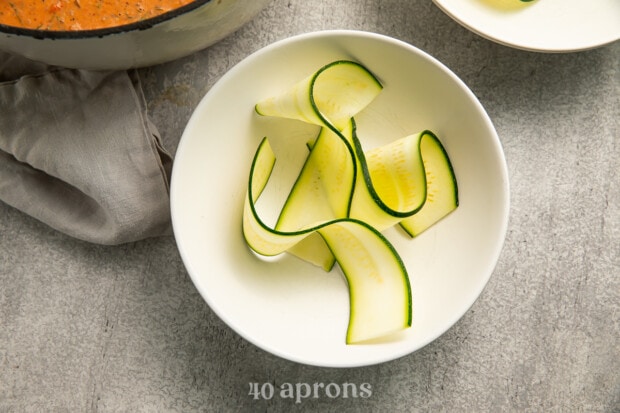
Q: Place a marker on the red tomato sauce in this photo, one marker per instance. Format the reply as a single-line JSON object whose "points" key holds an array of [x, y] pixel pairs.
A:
{"points": [[81, 14]]}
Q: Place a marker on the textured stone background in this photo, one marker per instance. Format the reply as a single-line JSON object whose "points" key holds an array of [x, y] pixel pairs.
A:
{"points": [[94, 328]]}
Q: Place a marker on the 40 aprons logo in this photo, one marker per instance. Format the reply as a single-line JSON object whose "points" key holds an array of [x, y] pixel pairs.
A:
{"points": [[302, 391]]}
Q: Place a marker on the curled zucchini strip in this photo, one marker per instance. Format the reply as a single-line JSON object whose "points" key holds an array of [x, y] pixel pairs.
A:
{"points": [[379, 289], [343, 196], [409, 181], [389, 182], [441, 187], [329, 97], [322, 192]]}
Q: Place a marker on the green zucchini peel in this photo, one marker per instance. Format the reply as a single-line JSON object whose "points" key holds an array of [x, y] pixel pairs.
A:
{"points": [[344, 196]]}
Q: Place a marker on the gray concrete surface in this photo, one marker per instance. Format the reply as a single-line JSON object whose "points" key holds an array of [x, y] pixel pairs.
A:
{"points": [[111, 329]]}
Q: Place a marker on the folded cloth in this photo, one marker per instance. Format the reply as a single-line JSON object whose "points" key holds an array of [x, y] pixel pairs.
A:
{"points": [[79, 153]]}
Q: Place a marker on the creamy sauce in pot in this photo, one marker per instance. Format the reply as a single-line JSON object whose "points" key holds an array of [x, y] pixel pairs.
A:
{"points": [[81, 14]]}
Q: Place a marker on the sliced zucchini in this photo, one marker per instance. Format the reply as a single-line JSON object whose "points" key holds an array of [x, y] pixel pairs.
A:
{"points": [[259, 237], [324, 183], [313, 250], [441, 187], [329, 97], [391, 183], [384, 179], [379, 289], [344, 196], [412, 176], [322, 192]]}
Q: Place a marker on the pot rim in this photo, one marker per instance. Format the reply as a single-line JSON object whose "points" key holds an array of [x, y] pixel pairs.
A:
{"points": [[105, 31]]}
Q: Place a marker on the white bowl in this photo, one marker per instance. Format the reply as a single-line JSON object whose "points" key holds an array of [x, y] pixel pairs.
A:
{"points": [[540, 25], [291, 308], [160, 39]]}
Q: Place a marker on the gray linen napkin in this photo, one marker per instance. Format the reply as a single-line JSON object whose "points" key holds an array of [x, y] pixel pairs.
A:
{"points": [[79, 153]]}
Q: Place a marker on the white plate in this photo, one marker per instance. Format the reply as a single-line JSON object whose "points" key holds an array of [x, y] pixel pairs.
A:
{"points": [[540, 25], [293, 309]]}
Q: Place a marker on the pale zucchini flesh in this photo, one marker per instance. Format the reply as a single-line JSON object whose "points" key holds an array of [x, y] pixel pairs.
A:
{"points": [[322, 192], [379, 289], [391, 182], [441, 187], [344, 196], [332, 95]]}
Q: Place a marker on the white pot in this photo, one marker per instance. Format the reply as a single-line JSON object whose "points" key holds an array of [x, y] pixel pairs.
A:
{"points": [[167, 37]]}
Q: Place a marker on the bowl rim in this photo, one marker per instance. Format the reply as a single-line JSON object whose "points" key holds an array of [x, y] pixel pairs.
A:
{"points": [[506, 39], [104, 31]]}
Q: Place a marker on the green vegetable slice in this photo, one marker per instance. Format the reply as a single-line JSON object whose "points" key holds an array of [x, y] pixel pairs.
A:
{"points": [[321, 192], [391, 182], [329, 97], [412, 174], [344, 196], [441, 187], [379, 289]]}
